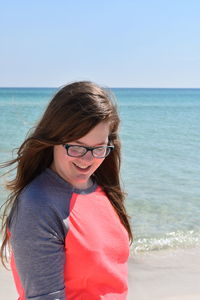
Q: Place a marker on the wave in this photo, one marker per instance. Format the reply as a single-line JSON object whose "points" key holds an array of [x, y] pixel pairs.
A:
{"points": [[171, 240]]}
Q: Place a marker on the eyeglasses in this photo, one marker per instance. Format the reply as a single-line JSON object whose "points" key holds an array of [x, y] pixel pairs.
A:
{"points": [[79, 151]]}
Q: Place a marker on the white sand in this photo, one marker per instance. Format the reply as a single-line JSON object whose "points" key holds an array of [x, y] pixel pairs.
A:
{"points": [[7, 286], [169, 275]]}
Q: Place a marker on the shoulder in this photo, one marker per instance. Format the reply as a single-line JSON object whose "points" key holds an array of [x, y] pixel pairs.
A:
{"points": [[47, 189], [46, 197]]}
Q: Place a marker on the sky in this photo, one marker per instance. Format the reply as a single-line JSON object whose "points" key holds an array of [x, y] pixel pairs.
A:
{"points": [[115, 43]]}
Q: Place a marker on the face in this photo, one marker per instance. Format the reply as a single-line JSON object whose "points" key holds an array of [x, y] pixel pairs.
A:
{"points": [[78, 170]]}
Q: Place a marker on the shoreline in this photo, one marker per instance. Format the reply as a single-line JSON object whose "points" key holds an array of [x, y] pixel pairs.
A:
{"points": [[163, 275]]}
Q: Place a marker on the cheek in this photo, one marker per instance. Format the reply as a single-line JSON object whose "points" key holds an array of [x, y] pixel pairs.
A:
{"points": [[59, 154], [62, 159], [69, 160], [98, 162]]}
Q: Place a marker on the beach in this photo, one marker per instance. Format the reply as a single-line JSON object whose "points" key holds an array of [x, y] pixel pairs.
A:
{"points": [[160, 151], [164, 275]]}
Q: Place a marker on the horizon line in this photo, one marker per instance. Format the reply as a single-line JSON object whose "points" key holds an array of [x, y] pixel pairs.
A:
{"points": [[113, 87]]}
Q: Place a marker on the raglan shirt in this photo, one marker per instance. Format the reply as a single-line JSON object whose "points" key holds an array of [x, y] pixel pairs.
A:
{"points": [[67, 243]]}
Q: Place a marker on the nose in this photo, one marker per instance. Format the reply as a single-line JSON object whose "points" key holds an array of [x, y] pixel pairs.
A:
{"points": [[88, 156]]}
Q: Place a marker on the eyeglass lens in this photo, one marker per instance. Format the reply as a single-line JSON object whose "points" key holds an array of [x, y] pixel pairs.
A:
{"points": [[80, 151]]}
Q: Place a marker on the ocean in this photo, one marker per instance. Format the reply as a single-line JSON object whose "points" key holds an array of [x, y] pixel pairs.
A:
{"points": [[160, 158]]}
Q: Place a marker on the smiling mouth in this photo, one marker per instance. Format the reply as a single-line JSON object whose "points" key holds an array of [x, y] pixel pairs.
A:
{"points": [[82, 168]]}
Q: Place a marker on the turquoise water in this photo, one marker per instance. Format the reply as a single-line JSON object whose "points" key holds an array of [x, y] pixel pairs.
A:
{"points": [[161, 157]]}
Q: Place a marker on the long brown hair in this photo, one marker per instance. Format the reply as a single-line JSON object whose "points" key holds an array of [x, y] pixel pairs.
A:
{"points": [[72, 113]]}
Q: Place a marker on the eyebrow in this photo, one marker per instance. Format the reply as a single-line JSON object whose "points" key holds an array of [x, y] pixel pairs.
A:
{"points": [[102, 143]]}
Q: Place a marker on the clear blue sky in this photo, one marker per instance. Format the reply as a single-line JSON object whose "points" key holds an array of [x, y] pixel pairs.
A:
{"points": [[126, 43]]}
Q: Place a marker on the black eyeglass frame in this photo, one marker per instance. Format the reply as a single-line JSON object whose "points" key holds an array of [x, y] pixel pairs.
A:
{"points": [[110, 148]]}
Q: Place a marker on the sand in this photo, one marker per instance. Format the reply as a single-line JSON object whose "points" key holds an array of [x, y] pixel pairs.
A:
{"points": [[167, 275], [7, 287]]}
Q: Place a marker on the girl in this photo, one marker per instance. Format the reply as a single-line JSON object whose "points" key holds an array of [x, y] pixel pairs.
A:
{"points": [[67, 227]]}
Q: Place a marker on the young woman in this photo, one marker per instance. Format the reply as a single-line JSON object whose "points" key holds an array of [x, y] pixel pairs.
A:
{"points": [[67, 228]]}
